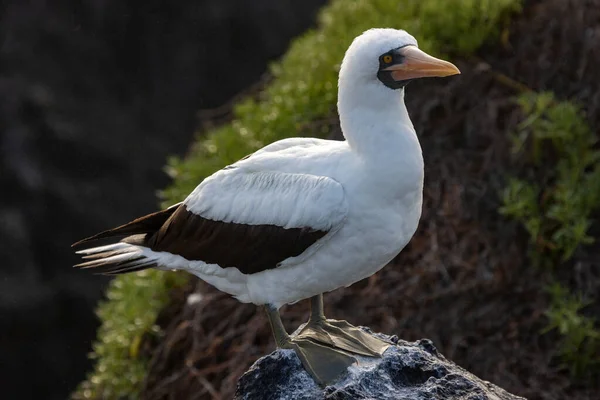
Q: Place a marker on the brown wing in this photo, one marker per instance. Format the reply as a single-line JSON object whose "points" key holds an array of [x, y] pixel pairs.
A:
{"points": [[250, 248]]}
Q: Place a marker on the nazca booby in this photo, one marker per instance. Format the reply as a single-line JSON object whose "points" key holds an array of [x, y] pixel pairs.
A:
{"points": [[302, 216]]}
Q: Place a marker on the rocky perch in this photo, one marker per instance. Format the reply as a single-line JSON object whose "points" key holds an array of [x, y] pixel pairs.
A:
{"points": [[407, 371]]}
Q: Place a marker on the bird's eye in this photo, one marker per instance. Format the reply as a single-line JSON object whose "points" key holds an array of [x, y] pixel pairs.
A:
{"points": [[387, 59]]}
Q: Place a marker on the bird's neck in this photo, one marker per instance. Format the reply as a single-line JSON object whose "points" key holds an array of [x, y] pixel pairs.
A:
{"points": [[376, 123]]}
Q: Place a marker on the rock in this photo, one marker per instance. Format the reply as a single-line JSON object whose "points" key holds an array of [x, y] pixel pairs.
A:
{"points": [[406, 371]]}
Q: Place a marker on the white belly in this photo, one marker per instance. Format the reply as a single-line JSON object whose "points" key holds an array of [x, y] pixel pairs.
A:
{"points": [[366, 243]]}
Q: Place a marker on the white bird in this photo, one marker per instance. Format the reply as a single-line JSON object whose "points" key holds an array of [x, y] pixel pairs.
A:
{"points": [[302, 216]]}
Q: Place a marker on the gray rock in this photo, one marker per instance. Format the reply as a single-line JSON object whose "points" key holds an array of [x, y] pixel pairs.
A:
{"points": [[408, 371]]}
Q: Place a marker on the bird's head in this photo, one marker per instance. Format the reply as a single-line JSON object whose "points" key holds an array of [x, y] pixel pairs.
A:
{"points": [[389, 59]]}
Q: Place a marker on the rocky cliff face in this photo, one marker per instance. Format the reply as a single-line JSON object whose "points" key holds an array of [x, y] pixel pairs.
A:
{"points": [[93, 98], [409, 371]]}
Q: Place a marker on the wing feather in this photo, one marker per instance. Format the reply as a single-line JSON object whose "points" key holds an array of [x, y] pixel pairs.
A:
{"points": [[236, 218], [253, 220]]}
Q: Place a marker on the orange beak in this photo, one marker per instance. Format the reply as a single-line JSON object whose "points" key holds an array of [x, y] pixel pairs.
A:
{"points": [[418, 64]]}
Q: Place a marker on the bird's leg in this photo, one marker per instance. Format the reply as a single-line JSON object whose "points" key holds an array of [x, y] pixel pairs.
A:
{"points": [[282, 339], [323, 363], [339, 334], [317, 311]]}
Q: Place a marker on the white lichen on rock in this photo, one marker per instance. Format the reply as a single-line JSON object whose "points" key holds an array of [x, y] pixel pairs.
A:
{"points": [[409, 371]]}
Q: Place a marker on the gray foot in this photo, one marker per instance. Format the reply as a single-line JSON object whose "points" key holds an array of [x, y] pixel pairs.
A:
{"points": [[325, 364], [343, 336]]}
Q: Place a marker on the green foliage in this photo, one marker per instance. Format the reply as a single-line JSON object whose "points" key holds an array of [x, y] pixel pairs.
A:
{"points": [[555, 208], [521, 202], [128, 316], [304, 86], [301, 95], [580, 349]]}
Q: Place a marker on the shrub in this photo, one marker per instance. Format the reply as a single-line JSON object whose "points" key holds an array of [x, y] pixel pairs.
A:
{"points": [[555, 204]]}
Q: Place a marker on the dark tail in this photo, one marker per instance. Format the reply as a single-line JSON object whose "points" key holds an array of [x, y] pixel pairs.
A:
{"points": [[147, 224], [124, 255]]}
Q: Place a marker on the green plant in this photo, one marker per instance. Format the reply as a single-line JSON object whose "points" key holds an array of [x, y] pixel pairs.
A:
{"points": [[580, 349], [555, 207], [128, 316]]}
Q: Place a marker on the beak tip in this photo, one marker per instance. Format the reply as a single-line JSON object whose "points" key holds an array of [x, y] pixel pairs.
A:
{"points": [[453, 70]]}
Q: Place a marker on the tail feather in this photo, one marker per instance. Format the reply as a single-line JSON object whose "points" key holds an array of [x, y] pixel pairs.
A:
{"points": [[132, 266], [127, 254], [113, 262], [100, 249], [147, 224], [108, 258], [105, 251], [104, 255]]}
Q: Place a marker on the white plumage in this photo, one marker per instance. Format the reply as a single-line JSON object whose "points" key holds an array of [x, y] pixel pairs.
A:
{"points": [[252, 196]]}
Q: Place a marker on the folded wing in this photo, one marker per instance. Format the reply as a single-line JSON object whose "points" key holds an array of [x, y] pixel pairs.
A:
{"points": [[251, 220]]}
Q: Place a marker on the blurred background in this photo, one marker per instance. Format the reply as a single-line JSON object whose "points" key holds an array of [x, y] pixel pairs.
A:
{"points": [[94, 96], [97, 95]]}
